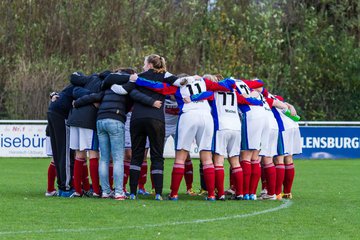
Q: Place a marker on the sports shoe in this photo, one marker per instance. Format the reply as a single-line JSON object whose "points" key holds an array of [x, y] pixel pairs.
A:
{"points": [[246, 197], [263, 192], [75, 195], [221, 198], [211, 199], [190, 192], [132, 197], [143, 192], [119, 197], [268, 197], [153, 192], [95, 195], [287, 195], [158, 197], [230, 192], [107, 195], [173, 198], [66, 194], [252, 197], [51, 194], [202, 192], [279, 197]]}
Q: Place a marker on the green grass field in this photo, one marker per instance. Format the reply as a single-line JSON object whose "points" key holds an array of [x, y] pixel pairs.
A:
{"points": [[326, 205]]}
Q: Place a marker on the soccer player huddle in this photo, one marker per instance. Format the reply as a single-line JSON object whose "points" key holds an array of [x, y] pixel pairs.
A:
{"points": [[114, 117]]}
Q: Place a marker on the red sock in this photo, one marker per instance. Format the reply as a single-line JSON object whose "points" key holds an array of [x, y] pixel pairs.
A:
{"points": [[143, 175], [237, 175], [209, 177], [246, 167], [126, 174], [232, 180], [85, 177], [189, 177], [270, 173], [78, 166], [51, 177], [255, 176], [94, 174], [111, 175], [280, 175], [263, 179], [219, 180], [176, 176], [289, 177]]}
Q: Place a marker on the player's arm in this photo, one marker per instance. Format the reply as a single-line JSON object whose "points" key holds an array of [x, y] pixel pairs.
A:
{"points": [[88, 99], [78, 92], [241, 100], [138, 96], [159, 87], [78, 79], [116, 78], [222, 86]]}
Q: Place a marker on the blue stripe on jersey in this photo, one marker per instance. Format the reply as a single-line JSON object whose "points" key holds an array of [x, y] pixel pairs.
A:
{"points": [[280, 145], [244, 134], [149, 84], [179, 100], [244, 108], [176, 133], [278, 119], [201, 96]]}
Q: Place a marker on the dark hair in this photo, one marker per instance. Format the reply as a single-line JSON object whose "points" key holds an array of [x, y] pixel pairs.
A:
{"points": [[127, 70], [158, 62]]}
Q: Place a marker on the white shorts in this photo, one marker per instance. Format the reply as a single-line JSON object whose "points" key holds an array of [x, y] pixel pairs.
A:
{"points": [[127, 133], [251, 132], [83, 139], [198, 125], [296, 145], [170, 125], [269, 138], [227, 142], [48, 146]]}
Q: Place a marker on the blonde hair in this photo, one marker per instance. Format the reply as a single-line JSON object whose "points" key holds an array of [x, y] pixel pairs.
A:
{"points": [[158, 62], [212, 78]]}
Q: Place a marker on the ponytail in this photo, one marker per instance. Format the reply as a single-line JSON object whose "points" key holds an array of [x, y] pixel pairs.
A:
{"points": [[158, 62]]}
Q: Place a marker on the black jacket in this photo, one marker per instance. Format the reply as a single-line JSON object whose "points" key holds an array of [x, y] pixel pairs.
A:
{"points": [[63, 104], [84, 116], [116, 106], [144, 111]]}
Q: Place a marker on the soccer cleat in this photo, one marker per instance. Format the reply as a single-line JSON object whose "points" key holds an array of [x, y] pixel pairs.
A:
{"points": [[107, 195], [268, 197], [119, 197], [211, 199], [66, 194], [153, 192], [132, 197], [287, 195], [202, 192], [222, 198], [51, 194], [263, 192], [75, 195], [95, 195], [158, 197], [252, 197], [173, 198], [246, 197], [191, 192], [230, 192], [143, 192], [279, 197]]}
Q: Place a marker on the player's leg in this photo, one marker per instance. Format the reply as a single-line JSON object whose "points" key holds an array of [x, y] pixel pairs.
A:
{"points": [[177, 173], [105, 153], [127, 161], [245, 157], [255, 175], [51, 191], [289, 176], [80, 158], [280, 175], [237, 175], [270, 174], [219, 176], [189, 176], [143, 175]]}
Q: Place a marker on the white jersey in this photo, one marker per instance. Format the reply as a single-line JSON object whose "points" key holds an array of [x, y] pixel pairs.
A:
{"points": [[252, 111], [225, 114], [194, 86]]}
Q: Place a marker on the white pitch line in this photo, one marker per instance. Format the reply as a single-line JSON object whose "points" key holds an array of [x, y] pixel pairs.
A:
{"points": [[286, 204]]}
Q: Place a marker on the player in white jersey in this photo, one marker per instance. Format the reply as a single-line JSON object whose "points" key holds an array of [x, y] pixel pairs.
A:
{"points": [[171, 120], [195, 122], [253, 129], [289, 143], [227, 138]]}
